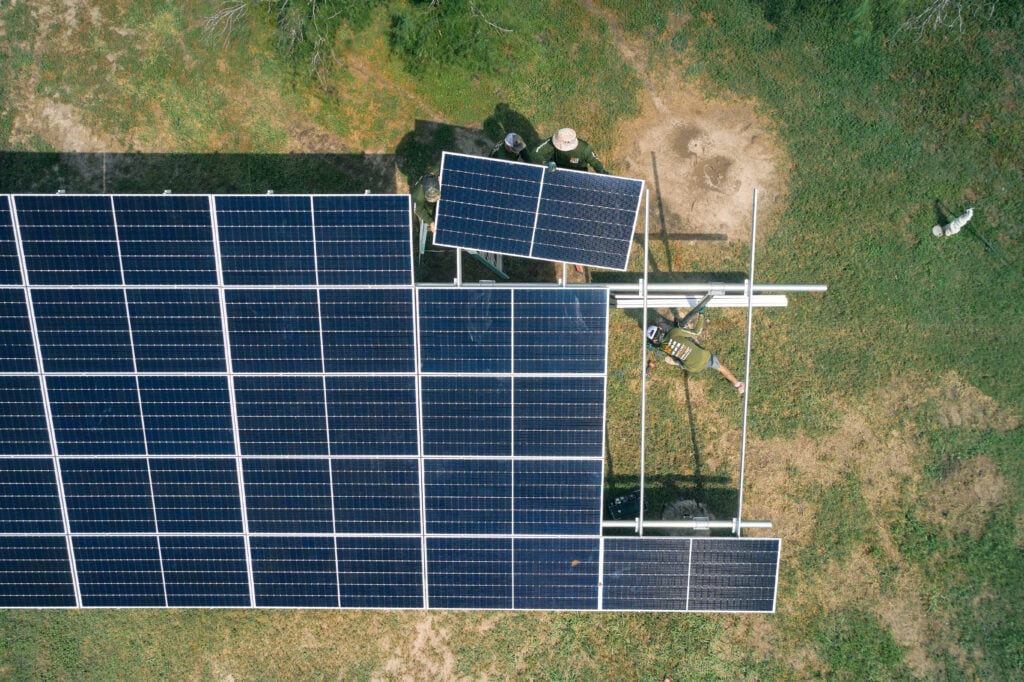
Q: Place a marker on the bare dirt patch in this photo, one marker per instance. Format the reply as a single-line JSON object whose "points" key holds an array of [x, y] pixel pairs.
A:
{"points": [[965, 499], [427, 657], [702, 160]]}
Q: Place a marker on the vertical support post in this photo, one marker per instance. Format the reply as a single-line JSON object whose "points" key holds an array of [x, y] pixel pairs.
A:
{"points": [[643, 371], [458, 267], [749, 285]]}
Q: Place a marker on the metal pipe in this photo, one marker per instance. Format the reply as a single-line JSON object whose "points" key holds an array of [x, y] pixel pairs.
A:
{"points": [[701, 288], [643, 366], [746, 369], [689, 523], [630, 301]]}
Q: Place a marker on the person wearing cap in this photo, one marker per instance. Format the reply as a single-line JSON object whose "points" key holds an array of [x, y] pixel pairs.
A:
{"points": [[680, 347], [565, 150], [509, 149], [425, 194]]}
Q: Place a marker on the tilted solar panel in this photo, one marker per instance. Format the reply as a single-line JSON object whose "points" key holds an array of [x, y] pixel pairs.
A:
{"points": [[246, 402], [525, 210]]}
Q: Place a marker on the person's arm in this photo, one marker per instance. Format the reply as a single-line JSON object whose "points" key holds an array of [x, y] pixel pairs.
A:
{"points": [[595, 163], [540, 154], [737, 384]]}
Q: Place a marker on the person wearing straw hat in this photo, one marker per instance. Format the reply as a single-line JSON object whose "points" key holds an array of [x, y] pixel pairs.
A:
{"points": [[509, 149], [565, 150], [680, 347]]}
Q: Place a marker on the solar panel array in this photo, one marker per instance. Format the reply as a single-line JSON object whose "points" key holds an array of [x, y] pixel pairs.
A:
{"points": [[245, 401], [523, 209]]}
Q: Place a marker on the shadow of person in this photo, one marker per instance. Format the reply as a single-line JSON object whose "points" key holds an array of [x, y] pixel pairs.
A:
{"points": [[507, 120]]}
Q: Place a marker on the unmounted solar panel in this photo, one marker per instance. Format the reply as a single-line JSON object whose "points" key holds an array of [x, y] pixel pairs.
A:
{"points": [[526, 210]]}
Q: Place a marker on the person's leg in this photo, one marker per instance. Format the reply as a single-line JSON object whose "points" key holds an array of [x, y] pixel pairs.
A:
{"points": [[713, 363]]}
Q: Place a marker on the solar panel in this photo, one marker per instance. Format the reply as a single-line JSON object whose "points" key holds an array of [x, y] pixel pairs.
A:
{"points": [[247, 402], [526, 210]]}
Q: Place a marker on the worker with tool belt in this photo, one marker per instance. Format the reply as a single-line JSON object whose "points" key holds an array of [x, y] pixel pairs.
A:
{"points": [[565, 150], [680, 347]]}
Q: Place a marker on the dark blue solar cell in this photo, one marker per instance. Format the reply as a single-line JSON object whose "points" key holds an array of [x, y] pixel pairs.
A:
{"points": [[556, 573], [558, 416], [288, 495], [29, 500], [368, 330], [187, 415], [274, 330], [381, 572], [487, 204], [469, 573], [266, 239], [10, 268], [17, 350], [108, 495], [23, 417], [294, 571], [83, 330], [205, 571], [468, 495], [281, 415], [646, 574], [96, 415], [177, 330], [560, 330], [35, 572], [363, 239], [119, 571], [733, 574], [196, 495], [559, 496], [372, 415], [166, 239], [69, 239], [467, 415], [587, 218], [466, 330], [378, 496]]}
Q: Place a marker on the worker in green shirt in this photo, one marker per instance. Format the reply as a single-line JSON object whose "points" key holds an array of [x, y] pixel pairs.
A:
{"points": [[425, 194], [680, 347], [509, 149], [565, 150]]}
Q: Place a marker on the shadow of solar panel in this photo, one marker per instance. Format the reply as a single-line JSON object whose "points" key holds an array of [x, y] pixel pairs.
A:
{"points": [[487, 204], [556, 573], [96, 415], [465, 330], [380, 572], [29, 501], [196, 495], [557, 497], [23, 429], [68, 239], [469, 573], [646, 574], [201, 570], [294, 571], [288, 495], [586, 218], [166, 239], [35, 572], [734, 574], [119, 570], [83, 330], [10, 269], [266, 239], [363, 239]]}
